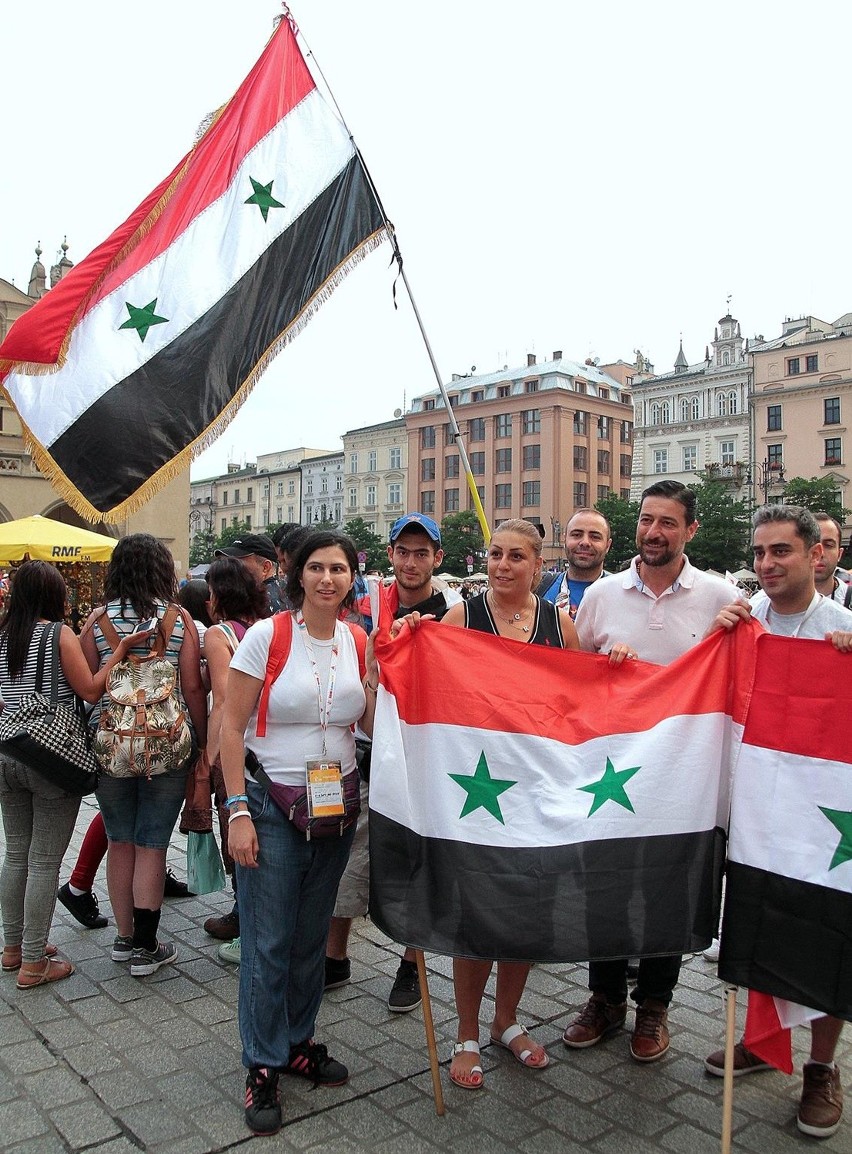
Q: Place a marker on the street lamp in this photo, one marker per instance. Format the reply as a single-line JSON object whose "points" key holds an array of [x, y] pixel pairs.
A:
{"points": [[765, 475]]}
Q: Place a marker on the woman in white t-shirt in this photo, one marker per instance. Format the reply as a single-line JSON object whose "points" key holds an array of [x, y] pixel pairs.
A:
{"points": [[287, 882]]}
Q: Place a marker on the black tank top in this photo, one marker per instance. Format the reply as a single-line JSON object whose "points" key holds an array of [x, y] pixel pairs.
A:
{"points": [[546, 628]]}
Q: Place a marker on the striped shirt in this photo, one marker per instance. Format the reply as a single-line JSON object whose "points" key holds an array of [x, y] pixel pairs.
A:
{"points": [[15, 689]]}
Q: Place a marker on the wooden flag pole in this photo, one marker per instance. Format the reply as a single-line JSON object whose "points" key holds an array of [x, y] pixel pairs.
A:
{"points": [[429, 1026], [728, 1083]]}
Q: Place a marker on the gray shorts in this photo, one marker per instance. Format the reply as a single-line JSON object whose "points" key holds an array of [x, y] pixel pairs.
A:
{"points": [[353, 893]]}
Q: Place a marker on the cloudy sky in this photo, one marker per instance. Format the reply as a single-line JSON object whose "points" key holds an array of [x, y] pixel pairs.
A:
{"points": [[594, 178]]}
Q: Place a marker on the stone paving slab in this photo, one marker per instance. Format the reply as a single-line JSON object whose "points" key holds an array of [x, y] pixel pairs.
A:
{"points": [[107, 1063]]}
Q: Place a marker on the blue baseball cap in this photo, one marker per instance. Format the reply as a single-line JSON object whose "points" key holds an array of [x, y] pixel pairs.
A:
{"points": [[416, 521]]}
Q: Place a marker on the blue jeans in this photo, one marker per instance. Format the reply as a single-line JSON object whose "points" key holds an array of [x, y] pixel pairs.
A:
{"points": [[285, 910]]}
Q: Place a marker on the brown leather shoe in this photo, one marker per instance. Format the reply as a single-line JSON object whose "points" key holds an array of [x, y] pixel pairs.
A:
{"points": [[744, 1062], [821, 1107], [596, 1021], [650, 1038], [225, 929]]}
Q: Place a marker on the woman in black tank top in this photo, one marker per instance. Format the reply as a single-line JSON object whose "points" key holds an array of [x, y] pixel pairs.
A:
{"points": [[508, 608]]}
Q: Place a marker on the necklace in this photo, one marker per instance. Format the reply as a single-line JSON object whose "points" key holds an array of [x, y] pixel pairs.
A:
{"points": [[515, 620]]}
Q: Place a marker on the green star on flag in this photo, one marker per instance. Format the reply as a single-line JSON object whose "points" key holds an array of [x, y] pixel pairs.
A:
{"points": [[611, 787], [262, 197], [482, 790], [142, 319], [842, 819]]}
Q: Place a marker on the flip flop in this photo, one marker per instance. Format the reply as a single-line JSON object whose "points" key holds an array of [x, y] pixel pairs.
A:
{"points": [[51, 971], [10, 967], [512, 1034], [475, 1072]]}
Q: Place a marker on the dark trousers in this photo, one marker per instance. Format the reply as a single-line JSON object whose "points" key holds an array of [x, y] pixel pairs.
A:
{"points": [[657, 979]]}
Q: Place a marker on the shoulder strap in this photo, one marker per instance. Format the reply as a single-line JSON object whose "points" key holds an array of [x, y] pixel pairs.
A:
{"points": [[359, 636], [166, 629], [279, 651], [108, 629], [54, 630], [40, 659]]}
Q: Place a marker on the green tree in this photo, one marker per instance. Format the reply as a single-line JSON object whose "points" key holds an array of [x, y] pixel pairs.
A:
{"points": [[368, 542], [723, 539], [461, 537], [622, 516], [201, 549], [819, 494]]}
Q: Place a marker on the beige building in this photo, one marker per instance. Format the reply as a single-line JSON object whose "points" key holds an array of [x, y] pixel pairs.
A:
{"points": [[24, 490], [375, 461], [802, 406], [543, 439]]}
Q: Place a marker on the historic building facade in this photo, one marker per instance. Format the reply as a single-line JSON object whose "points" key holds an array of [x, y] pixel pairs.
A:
{"points": [[375, 474]]}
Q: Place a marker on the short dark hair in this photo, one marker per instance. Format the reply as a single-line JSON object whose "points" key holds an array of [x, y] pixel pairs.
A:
{"points": [[673, 491], [802, 520], [823, 517], [597, 513], [193, 597], [320, 539], [282, 531], [238, 595]]}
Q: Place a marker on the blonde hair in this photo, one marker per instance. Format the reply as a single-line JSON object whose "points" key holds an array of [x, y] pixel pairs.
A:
{"points": [[524, 529]]}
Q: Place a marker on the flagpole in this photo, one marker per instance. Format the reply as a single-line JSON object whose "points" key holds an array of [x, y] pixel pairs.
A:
{"points": [[429, 1026], [728, 1083], [397, 256]]}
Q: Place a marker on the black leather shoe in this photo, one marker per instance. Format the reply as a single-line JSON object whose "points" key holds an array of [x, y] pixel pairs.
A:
{"points": [[83, 907], [174, 888]]}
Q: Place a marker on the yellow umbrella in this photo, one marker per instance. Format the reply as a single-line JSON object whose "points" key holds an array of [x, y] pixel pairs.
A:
{"points": [[43, 539]]}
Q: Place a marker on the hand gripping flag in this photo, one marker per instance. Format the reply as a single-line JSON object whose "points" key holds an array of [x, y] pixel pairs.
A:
{"points": [[140, 356]]}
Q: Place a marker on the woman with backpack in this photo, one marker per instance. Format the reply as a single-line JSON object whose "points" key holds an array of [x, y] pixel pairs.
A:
{"points": [[295, 691], [144, 752]]}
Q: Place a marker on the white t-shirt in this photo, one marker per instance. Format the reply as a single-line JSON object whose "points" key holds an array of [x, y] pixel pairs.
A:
{"points": [[293, 731], [822, 616]]}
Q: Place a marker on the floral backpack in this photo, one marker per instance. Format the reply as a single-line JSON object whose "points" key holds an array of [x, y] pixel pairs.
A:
{"points": [[143, 728]]}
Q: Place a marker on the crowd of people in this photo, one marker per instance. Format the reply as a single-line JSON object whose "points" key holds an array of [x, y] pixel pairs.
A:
{"points": [[278, 680]]}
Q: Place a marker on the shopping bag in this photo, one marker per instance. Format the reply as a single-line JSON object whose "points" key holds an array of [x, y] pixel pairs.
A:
{"points": [[204, 870]]}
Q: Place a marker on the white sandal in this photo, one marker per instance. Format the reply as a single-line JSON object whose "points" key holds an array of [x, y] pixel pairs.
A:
{"points": [[468, 1047], [508, 1036]]}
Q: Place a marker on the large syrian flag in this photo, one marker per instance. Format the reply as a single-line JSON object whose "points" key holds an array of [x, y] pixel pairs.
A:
{"points": [[787, 928], [140, 356], [532, 803]]}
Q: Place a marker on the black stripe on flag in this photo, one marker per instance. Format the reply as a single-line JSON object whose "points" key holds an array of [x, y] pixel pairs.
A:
{"points": [[144, 421], [788, 938], [625, 897]]}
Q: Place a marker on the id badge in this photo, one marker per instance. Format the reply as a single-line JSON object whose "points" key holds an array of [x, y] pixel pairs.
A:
{"points": [[325, 788]]}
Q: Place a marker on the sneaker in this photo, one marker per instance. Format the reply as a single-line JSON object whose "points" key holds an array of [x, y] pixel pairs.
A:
{"points": [[263, 1102], [225, 928], [173, 888], [711, 954], [821, 1107], [338, 972], [744, 1062], [83, 907], [405, 991], [596, 1021], [230, 951], [144, 962], [122, 949], [310, 1060], [650, 1038]]}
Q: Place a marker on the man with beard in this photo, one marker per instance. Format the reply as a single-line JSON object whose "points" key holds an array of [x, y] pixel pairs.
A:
{"points": [[825, 574], [657, 610], [587, 542]]}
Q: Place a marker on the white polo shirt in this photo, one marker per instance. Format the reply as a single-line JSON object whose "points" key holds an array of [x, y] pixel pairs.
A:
{"points": [[622, 610]]}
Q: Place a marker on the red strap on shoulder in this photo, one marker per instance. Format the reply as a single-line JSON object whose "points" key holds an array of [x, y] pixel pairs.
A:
{"points": [[359, 636], [279, 651]]}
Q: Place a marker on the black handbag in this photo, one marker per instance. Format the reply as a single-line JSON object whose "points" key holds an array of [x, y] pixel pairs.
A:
{"points": [[49, 737]]}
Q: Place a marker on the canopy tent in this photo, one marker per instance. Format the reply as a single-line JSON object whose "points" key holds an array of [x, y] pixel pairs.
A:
{"points": [[43, 539]]}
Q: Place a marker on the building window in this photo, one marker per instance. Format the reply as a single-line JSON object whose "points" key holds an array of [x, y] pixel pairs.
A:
{"points": [[661, 460], [831, 409], [353, 462], [626, 433], [236, 496], [449, 435], [530, 386], [372, 461], [451, 500], [429, 404], [291, 489], [690, 458], [224, 496], [504, 391], [659, 412], [603, 428], [503, 461], [503, 497], [395, 458], [476, 429], [812, 363], [324, 485], [722, 405], [626, 465], [793, 366], [477, 395], [532, 421], [624, 494], [338, 484], [248, 520], [603, 393], [481, 491], [684, 408], [249, 495], [427, 437], [370, 495], [832, 451], [427, 501], [309, 486], [531, 494], [581, 457], [394, 493], [773, 418], [427, 469], [224, 524], [532, 456], [726, 452], [580, 424], [580, 493], [353, 498], [279, 489], [603, 460], [603, 492], [503, 425], [775, 457], [477, 464], [451, 465]]}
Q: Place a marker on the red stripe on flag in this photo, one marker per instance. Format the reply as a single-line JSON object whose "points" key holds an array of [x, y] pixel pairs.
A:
{"points": [[764, 1035]]}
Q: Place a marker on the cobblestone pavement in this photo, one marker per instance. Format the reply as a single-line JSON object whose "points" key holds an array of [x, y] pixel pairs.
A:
{"points": [[108, 1063]]}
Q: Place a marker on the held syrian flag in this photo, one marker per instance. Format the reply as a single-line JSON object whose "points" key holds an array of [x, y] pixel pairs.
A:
{"points": [[787, 928], [532, 803], [141, 355], [769, 1025]]}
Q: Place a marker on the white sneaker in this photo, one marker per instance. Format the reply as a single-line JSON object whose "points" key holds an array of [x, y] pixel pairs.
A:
{"points": [[711, 954], [230, 951]]}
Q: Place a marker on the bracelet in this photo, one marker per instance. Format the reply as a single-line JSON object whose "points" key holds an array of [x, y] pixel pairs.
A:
{"points": [[234, 798], [372, 688], [239, 813]]}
